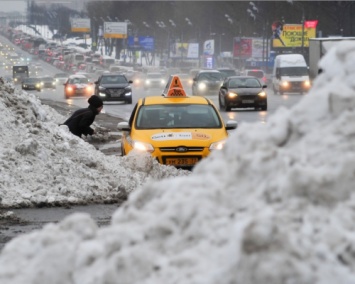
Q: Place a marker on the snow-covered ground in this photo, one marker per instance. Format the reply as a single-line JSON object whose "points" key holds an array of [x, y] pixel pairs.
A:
{"points": [[276, 205]]}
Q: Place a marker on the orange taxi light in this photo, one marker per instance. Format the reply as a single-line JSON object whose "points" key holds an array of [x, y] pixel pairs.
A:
{"points": [[174, 87], [70, 89]]}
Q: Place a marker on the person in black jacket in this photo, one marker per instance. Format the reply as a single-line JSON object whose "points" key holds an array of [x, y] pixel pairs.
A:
{"points": [[79, 122]]}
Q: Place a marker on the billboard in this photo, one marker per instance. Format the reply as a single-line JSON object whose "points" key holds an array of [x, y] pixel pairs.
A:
{"points": [[115, 30], [293, 35], [81, 25], [208, 47], [184, 50], [143, 43]]}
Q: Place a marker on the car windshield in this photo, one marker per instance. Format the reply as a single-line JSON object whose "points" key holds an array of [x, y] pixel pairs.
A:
{"points": [[177, 116], [47, 79], [213, 76], [294, 71], [113, 80], [61, 75], [78, 81], [244, 83], [31, 80], [154, 76]]}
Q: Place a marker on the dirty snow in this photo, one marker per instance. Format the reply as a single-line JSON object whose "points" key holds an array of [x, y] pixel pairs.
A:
{"points": [[276, 205]]}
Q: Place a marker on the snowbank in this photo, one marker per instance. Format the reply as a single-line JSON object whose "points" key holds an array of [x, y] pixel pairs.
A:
{"points": [[275, 206]]}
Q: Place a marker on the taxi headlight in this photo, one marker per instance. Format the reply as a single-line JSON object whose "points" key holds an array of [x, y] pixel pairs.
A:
{"points": [[202, 86], [217, 145], [232, 95], [70, 89], [142, 146], [285, 84], [262, 94], [307, 83], [89, 89]]}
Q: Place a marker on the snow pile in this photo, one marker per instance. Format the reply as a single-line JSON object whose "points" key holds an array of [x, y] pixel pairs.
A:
{"points": [[42, 163], [275, 206]]}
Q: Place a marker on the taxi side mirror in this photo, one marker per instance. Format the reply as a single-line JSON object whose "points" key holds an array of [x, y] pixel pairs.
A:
{"points": [[123, 126], [231, 124]]}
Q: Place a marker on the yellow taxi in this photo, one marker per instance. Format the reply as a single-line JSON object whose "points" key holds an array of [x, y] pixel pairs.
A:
{"points": [[176, 129]]}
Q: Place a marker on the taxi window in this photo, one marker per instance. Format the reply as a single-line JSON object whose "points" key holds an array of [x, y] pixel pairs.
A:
{"points": [[177, 116]]}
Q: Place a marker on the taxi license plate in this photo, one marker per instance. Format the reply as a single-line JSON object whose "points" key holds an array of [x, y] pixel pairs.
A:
{"points": [[247, 101], [181, 161]]}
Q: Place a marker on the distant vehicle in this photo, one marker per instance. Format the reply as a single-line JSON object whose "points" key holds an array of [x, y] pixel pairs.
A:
{"points": [[258, 73], [207, 82], [61, 78], [290, 74], [77, 85], [318, 47], [19, 73], [242, 92], [48, 82], [154, 80], [114, 87], [31, 84], [176, 129]]}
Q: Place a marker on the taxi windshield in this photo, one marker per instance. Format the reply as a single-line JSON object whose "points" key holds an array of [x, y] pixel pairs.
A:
{"points": [[177, 116]]}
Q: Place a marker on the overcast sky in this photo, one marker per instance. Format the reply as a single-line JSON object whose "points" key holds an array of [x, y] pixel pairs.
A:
{"points": [[13, 5]]}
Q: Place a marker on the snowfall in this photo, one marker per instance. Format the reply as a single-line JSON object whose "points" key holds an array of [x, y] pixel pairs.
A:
{"points": [[276, 205]]}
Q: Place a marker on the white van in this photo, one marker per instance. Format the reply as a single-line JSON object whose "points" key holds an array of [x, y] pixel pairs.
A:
{"points": [[290, 74]]}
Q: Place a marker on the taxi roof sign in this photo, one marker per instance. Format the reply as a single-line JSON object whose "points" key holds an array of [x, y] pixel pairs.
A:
{"points": [[174, 87], [176, 92]]}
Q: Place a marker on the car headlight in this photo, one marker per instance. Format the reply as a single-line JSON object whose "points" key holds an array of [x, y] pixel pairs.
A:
{"points": [[142, 146], [38, 85], [217, 145], [202, 86], [162, 81], [307, 83], [89, 89], [285, 84], [42, 83], [128, 94], [69, 89], [53, 83], [15, 79], [147, 82], [262, 94], [232, 95]]}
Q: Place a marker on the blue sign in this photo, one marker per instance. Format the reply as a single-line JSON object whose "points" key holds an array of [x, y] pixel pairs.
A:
{"points": [[143, 43]]}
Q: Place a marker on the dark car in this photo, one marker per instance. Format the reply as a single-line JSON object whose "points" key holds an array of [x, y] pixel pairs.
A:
{"points": [[242, 92], [77, 85], [48, 82], [114, 87], [207, 82], [31, 84]]}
